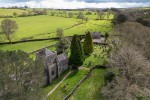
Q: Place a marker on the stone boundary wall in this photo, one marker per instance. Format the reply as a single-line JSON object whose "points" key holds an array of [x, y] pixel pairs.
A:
{"points": [[35, 40], [83, 79]]}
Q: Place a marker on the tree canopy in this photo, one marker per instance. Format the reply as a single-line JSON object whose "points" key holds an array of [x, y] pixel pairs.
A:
{"points": [[8, 27], [76, 57], [88, 44], [21, 77]]}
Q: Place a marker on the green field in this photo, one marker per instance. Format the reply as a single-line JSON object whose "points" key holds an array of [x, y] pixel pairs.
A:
{"points": [[9, 12], [44, 26], [28, 47], [35, 25]]}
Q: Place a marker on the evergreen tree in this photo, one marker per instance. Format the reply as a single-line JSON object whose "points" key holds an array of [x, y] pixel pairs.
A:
{"points": [[76, 57], [88, 44], [81, 48]]}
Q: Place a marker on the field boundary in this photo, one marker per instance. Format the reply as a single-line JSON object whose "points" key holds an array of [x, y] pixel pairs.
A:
{"points": [[63, 29], [41, 48], [83, 79], [35, 40]]}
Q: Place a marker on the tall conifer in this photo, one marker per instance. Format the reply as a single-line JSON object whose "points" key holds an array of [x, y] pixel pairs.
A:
{"points": [[88, 44], [76, 57]]}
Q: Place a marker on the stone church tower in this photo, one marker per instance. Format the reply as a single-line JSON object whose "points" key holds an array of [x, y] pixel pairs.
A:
{"points": [[53, 64]]}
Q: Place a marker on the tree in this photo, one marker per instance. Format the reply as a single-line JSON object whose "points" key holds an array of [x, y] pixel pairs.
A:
{"points": [[62, 46], [70, 14], [9, 27], [52, 13], [76, 56], [24, 14], [65, 14], [130, 58], [21, 77], [88, 44], [86, 19], [100, 14], [120, 18], [143, 22], [80, 15], [15, 14], [88, 13], [108, 13], [44, 12], [60, 33], [106, 36]]}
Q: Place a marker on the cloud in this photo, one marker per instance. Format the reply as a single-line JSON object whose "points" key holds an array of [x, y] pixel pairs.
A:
{"points": [[73, 4], [97, 1]]}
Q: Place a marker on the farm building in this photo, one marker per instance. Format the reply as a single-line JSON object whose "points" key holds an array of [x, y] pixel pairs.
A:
{"points": [[97, 37], [53, 64]]}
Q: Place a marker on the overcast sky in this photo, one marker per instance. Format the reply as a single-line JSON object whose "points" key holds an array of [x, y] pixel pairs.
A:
{"points": [[72, 4]]}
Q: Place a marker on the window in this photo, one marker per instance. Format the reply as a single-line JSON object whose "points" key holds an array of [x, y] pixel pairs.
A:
{"points": [[52, 72]]}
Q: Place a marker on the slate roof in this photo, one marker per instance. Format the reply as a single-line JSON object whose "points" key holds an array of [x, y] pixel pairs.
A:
{"points": [[45, 52], [96, 35], [62, 58]]}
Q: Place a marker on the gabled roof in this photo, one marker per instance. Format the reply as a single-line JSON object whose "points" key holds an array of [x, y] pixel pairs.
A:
{"points": [[45, 52], [62, 58], [96, 35]]}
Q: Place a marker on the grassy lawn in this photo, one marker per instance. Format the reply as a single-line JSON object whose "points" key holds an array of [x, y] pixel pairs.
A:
{"points": [[98, 57], [48, 88], [70, 82], [90, 88], [28, 47]]}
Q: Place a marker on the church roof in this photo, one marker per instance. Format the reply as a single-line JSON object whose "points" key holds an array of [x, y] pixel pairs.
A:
{"points": [[45, 52], [62, 58]]}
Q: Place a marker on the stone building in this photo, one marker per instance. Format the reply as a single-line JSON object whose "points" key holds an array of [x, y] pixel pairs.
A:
{"points": [[97, 37], [54, 65]]}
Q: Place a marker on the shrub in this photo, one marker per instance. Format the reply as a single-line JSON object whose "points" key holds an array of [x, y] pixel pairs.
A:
{"points": [[109, 76], [120, 18]]}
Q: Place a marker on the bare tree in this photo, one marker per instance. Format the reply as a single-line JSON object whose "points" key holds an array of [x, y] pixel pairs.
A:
{"points": [[100, 14], [131, 62], [9, 27]]}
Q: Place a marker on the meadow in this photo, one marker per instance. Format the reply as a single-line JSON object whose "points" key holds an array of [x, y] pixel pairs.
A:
{"points": [[9, 12], [28, 46], [45, 26], [35, 25]]}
